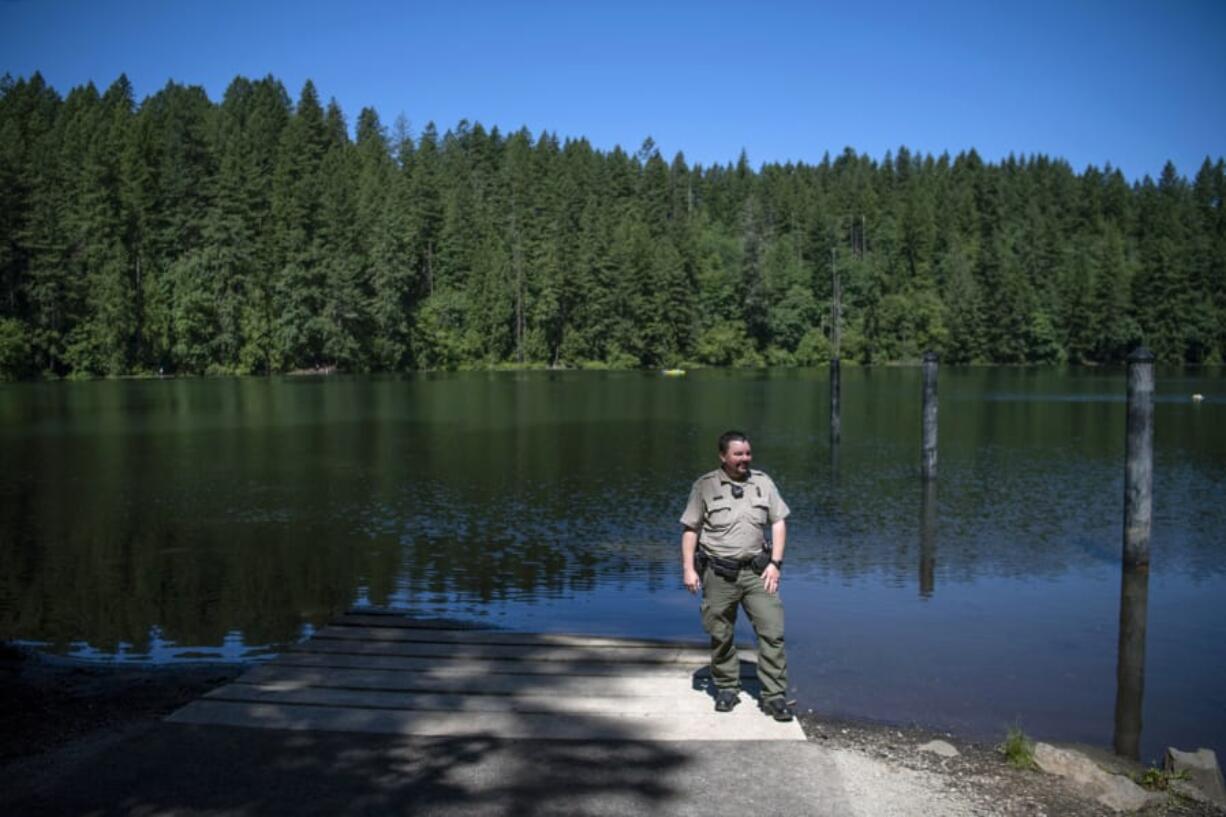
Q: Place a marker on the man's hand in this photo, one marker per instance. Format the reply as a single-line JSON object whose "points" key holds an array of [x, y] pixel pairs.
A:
{"points": [[770, 579], [779, 539], [689, 543]]}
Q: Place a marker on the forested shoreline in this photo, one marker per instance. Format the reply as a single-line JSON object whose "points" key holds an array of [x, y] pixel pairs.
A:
{"points": [[254, 235]]}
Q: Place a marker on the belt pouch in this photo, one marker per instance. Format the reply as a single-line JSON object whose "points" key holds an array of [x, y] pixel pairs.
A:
{"points": [[725, 568]]}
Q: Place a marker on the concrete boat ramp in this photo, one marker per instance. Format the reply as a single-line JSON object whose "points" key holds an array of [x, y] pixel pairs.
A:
{"points": [[380, 672], [378, 714]]}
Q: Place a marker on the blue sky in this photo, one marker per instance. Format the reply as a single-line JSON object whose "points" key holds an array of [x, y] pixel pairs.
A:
{"points": [[1127, 82]]}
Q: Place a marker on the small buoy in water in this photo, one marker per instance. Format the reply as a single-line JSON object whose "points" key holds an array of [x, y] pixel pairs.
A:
{"points": [[1196, 398], [673, 372]]}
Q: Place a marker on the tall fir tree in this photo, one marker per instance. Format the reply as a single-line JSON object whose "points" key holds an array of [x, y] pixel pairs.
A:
{"points": [[299, 275]]}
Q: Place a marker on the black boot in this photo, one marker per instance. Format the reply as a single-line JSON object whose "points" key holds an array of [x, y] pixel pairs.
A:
{"points": [[778, 708], [726, 699]]}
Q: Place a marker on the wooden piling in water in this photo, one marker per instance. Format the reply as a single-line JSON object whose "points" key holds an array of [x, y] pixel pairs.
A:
{"points": [[1130, 667], [1139, 453], [929, 452], [928, 537], [1134, 583]]}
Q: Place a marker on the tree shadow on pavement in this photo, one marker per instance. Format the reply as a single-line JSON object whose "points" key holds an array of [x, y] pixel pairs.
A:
{"points": [[210, 770]]}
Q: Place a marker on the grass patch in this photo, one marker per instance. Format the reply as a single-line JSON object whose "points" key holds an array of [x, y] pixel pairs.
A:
{"points": [[1156, 779], [1018, 748]]}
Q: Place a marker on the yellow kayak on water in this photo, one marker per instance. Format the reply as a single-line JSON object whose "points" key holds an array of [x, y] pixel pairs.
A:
{"points": [[673, 372]]}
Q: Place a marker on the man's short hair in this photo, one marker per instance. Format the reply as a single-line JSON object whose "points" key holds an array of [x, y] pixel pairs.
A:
{"points": [[731, 437]]}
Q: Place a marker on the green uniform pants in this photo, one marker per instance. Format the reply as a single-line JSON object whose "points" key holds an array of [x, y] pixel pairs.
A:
{"points": [[720, 598]]}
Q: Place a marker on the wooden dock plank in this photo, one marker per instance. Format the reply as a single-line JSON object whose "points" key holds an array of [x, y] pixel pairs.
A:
{"points": [[418, 630], [506, 653], [344, 660], [534, 702], [502, 637], [475, 683], [509, 651], [740, 724]]}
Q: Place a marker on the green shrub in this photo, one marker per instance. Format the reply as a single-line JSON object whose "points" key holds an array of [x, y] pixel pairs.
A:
{"points": [[1156, 779], [1018, 748]]}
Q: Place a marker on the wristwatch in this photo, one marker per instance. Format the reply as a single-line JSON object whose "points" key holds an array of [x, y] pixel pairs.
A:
{"points": [[778, 563]]}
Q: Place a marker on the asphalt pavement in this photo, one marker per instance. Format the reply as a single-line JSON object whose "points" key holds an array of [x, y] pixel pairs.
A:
{"points": [[180, 769]]}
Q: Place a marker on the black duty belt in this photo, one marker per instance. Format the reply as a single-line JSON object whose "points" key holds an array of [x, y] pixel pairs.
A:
{"points": [[729, 568]]}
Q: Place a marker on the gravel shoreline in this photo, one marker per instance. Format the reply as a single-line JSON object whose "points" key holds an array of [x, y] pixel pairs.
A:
{"points": [[50, 702], [978, 775], [56, 710]]}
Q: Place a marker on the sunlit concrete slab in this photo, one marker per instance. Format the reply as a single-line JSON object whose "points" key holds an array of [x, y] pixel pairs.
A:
{"points": [[416, 680]]}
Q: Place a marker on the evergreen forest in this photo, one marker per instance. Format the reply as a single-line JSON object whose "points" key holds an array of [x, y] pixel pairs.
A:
{"points": [[264, 235]]}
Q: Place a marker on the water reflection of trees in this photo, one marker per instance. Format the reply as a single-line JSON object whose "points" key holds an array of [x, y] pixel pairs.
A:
{"points": [[112, 583], [271, 530], [108, 586]]}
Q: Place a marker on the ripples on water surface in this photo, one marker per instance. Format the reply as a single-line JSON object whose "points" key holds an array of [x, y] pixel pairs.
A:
{"points": [[192, 520]]}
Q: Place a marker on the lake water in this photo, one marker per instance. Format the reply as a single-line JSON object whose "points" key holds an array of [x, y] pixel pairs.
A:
{"points": [[204, 519]]}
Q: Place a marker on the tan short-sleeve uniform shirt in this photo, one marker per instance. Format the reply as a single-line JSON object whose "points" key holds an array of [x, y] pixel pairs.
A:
{"points": [[728, 527]]}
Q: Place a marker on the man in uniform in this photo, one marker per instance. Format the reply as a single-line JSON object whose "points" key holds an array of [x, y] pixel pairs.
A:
{"points": [[725, 522]]}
